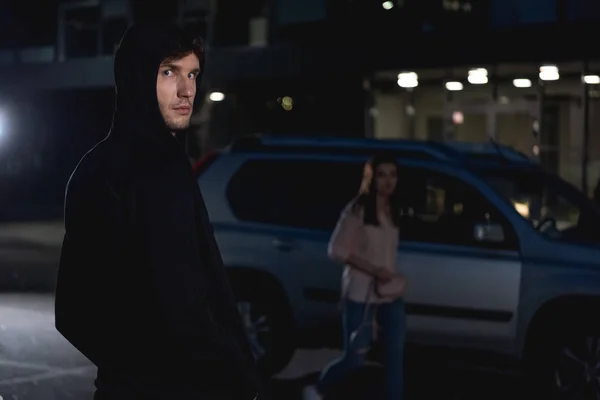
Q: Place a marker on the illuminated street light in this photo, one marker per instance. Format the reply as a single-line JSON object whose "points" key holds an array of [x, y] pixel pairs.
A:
{"points": [[287, 103], [478, 76], [522, 83], [387, 5], [549, 73], [592, 79], [216, 96], [454, 86], [408, 80]]}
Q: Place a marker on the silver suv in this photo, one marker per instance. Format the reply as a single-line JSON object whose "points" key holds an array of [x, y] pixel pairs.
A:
{"points": [[502, 257]]}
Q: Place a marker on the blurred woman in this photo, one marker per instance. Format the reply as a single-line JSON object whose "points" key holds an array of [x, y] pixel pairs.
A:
{"points": [[365, 240]]}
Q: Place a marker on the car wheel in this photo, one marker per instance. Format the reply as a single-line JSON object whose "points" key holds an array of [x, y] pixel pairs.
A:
{"points": [[569, 367], [269, 327], [577, 368]]}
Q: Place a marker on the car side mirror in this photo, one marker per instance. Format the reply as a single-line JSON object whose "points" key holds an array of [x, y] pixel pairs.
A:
{"points": [[488, 232]]}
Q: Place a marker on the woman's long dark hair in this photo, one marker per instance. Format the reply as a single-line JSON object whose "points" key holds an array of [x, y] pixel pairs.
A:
{"points": [[367, 195]]}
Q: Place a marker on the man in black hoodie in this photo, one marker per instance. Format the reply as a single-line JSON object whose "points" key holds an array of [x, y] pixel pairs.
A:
{"points": [[141, 288]]}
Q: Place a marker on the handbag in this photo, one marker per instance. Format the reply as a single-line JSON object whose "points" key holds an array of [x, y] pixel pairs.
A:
{"points": [[394, 289]]}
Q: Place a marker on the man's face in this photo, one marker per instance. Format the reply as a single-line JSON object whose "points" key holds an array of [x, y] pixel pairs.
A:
{"points": [[176, 89]]}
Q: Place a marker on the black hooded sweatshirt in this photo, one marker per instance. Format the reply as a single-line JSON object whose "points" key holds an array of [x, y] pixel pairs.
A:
{"points": [[141, 288]]}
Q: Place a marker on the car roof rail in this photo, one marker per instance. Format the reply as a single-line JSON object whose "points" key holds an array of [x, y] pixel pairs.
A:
{"points": [[452, 151], [343, 146]]}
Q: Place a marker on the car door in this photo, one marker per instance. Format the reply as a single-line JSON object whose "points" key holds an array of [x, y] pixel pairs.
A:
{"points": [[315, 191], [462, 291], [254, 235]]}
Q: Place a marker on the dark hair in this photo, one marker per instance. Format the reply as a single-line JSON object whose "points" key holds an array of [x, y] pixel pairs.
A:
{"points": [[194, 46], [367, 196]]}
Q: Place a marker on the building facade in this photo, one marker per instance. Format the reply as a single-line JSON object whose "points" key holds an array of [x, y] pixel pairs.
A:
{"points": [[333, 67]]}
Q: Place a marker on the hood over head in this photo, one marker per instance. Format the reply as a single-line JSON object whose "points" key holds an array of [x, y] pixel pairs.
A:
{"points": [[142, 50]]}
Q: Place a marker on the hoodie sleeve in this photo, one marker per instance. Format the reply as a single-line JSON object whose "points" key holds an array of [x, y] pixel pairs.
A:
{"points": [[227, 312], [95, 236], [343, 240]]}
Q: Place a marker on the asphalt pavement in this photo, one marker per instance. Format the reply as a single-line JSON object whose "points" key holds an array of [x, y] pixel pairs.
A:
{"points": [[36, 363]]}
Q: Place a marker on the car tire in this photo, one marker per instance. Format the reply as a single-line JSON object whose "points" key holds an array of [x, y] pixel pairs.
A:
{"points": [[269, 325], [566, 359]]}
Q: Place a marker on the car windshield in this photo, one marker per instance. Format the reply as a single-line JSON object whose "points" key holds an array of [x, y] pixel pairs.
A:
{"points": [[554, 208]]}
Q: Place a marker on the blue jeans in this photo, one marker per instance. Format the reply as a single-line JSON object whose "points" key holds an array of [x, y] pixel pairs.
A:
{"points": [[391, 319]]}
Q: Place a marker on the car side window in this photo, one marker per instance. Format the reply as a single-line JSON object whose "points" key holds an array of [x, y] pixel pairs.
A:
{"points": [[295, 193], [440, 208], [251, 192]]}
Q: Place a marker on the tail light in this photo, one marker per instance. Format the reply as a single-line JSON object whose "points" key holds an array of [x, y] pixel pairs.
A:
{"points": [[204, 162]]}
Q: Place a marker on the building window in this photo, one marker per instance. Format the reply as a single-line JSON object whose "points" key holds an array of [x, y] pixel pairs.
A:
{"points": [[112, 32], [196, 22], [435, 128], [81, 34], [457, 5]]}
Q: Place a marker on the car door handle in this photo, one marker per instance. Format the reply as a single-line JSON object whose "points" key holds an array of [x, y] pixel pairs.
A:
{"points": [[283, 244]]}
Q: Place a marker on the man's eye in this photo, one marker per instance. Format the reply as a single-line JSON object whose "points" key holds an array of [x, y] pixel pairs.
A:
{"points": [[167, 72], [192, 75]]}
